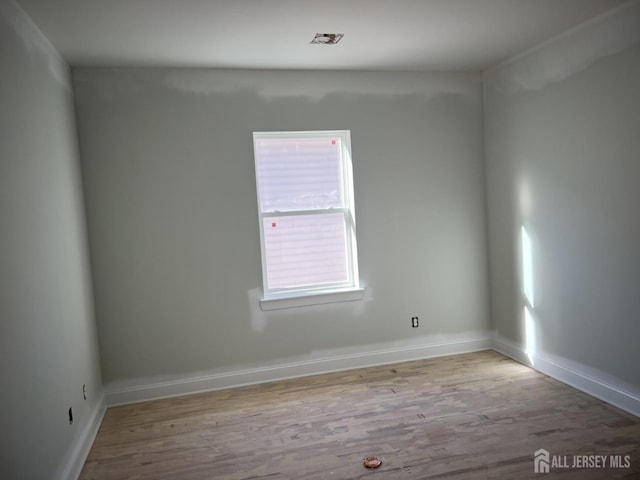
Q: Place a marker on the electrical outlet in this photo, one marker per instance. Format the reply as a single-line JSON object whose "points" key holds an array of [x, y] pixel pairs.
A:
{"points": [[414, 322]]}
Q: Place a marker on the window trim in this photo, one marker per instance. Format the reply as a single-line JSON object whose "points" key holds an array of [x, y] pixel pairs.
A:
{"points": [[274, 298], [304, 299]]}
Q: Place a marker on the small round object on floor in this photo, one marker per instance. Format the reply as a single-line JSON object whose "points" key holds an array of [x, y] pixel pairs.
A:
{"points": [[372, 462]]}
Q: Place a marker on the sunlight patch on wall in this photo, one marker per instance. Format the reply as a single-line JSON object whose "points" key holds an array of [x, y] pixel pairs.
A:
{"points": [[527, 267], [528, 292]]}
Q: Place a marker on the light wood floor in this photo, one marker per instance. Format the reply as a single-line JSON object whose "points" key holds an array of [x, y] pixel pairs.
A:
{"points": [[471, 416]]}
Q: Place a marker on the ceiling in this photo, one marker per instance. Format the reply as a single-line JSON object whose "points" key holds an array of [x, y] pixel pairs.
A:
{"points": [[453, 35]]}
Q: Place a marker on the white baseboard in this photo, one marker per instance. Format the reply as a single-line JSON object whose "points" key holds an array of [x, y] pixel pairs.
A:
{"points": [[73, 461], [144, 390], [510, 349], [581, 377]]}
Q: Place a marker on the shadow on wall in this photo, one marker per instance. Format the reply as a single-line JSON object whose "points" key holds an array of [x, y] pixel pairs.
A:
{"points": [[612, 33]]}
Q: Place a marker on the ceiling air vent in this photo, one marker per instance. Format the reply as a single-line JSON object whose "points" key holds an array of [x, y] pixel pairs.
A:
{"points": [[327, 38]]}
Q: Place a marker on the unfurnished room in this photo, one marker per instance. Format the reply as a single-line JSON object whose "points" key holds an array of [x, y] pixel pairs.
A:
{"points": [[298, 240]]}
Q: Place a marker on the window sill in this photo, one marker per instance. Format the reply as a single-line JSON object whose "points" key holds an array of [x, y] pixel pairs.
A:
{"points": [[308, 299]]}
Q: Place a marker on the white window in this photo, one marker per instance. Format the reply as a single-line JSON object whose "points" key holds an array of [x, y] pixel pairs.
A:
{"points": [[307, 222]]}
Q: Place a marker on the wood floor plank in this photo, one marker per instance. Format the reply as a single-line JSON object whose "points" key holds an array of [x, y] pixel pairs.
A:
{"points": [[472, 416]]}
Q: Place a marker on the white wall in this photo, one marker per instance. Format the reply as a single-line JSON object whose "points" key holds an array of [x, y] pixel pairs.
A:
{"points": [[563, 159], [170, 189], [48, 345]]}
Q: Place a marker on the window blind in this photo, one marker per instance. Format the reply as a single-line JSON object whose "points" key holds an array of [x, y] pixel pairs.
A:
{"points": [[304, 203]]}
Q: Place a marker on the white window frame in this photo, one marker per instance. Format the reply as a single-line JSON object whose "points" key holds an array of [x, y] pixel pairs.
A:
{"points": [[349, 290]]}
